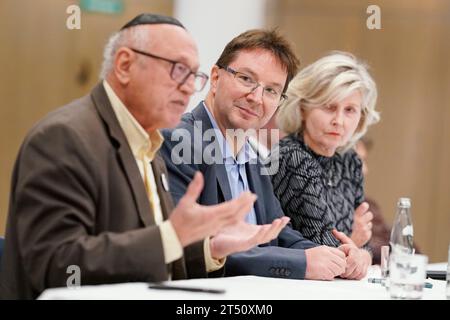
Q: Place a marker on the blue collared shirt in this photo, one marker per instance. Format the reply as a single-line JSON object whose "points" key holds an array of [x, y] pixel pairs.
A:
{"points": [[235, 167]]}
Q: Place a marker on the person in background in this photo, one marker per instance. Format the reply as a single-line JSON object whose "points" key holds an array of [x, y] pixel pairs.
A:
{"points": [[319, 181], [381, 231]]}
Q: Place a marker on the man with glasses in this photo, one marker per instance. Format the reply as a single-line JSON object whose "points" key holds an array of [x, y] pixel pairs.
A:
{"points": [[90, 192], [248, 84], [179, 71]]}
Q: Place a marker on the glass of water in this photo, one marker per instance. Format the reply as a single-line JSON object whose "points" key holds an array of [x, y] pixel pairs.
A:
{"points": [[384, 266], [407, 273], [384, 263]]}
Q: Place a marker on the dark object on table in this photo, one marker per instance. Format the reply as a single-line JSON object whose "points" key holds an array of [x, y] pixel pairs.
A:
{"points": [[437, 274]]}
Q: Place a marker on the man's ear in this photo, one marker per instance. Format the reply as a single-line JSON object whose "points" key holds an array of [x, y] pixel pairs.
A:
{"points": [[214, 78], [123, 61]]}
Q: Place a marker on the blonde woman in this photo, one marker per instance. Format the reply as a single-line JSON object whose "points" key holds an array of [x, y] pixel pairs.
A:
{"points": [[319, 180]]}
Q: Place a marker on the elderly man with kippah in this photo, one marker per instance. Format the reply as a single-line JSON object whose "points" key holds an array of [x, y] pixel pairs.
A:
{"points": [[89, 188]]}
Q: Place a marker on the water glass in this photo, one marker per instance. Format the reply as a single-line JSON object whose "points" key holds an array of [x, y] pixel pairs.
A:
{"points": [[407, 273], [384, 263]]}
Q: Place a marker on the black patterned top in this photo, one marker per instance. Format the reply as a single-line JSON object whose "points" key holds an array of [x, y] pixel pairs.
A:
{"points": [[318, 193]]}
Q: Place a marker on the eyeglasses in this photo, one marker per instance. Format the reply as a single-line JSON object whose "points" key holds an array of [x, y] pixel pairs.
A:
{"points": [[180, 72], [273, 96]]}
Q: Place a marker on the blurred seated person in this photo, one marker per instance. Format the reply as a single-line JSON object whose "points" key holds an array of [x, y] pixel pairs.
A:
{"points": [[319, 181], [381, 231]]}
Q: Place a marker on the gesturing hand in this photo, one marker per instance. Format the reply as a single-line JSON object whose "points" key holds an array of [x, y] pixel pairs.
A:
{"points": [[243, 236], [193, 222]]}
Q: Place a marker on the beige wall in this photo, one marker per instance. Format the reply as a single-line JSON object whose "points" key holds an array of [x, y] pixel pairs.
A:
{"points": [[45, 65], [409, 60]]}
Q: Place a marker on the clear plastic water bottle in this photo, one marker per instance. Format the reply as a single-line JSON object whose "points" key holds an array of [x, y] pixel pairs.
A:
{"points": [[402, 232]]}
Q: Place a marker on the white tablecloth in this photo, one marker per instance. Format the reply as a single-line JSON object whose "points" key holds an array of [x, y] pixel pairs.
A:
{"points": [[243, 288]]}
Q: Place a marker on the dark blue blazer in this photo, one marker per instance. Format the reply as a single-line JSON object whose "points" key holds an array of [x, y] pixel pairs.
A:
{"points": [[283, 256]]}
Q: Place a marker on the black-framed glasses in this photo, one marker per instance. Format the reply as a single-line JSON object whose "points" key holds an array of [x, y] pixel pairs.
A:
{"points": [[180, 72], [274, 96]]}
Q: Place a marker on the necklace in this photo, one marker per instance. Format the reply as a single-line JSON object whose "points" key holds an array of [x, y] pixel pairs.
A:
{"points": [[330, 177], [331, 172], [324, 162]]}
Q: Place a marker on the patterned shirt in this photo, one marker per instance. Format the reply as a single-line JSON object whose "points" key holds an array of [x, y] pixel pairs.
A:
{"points": [[318, 193]]}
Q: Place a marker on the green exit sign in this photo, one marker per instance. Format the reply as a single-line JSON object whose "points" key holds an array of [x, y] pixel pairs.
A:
{"points": [[102, 6]]}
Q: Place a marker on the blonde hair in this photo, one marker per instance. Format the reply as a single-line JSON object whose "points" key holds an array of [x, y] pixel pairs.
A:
{"points": [[329, 79]]}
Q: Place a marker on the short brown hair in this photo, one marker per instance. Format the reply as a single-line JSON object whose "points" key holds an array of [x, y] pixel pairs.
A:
{"points": [[269, 40]]}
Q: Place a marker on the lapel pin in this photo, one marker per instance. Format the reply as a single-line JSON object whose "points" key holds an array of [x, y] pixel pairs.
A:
{"points": [[164, 182]]}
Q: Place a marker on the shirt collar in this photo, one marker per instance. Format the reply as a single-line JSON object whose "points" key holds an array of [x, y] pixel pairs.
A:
{"points": [[141, 143], [244, 155]]}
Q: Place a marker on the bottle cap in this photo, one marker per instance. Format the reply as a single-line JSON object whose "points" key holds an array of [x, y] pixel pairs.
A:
{"points": [[404, 202]]}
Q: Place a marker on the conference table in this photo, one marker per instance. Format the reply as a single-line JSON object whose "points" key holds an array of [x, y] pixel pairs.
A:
{"points": [[246, 288]]}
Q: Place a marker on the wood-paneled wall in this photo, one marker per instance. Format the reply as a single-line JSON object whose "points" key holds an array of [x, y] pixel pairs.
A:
{"points": [[410, 61], [44, 65]]}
